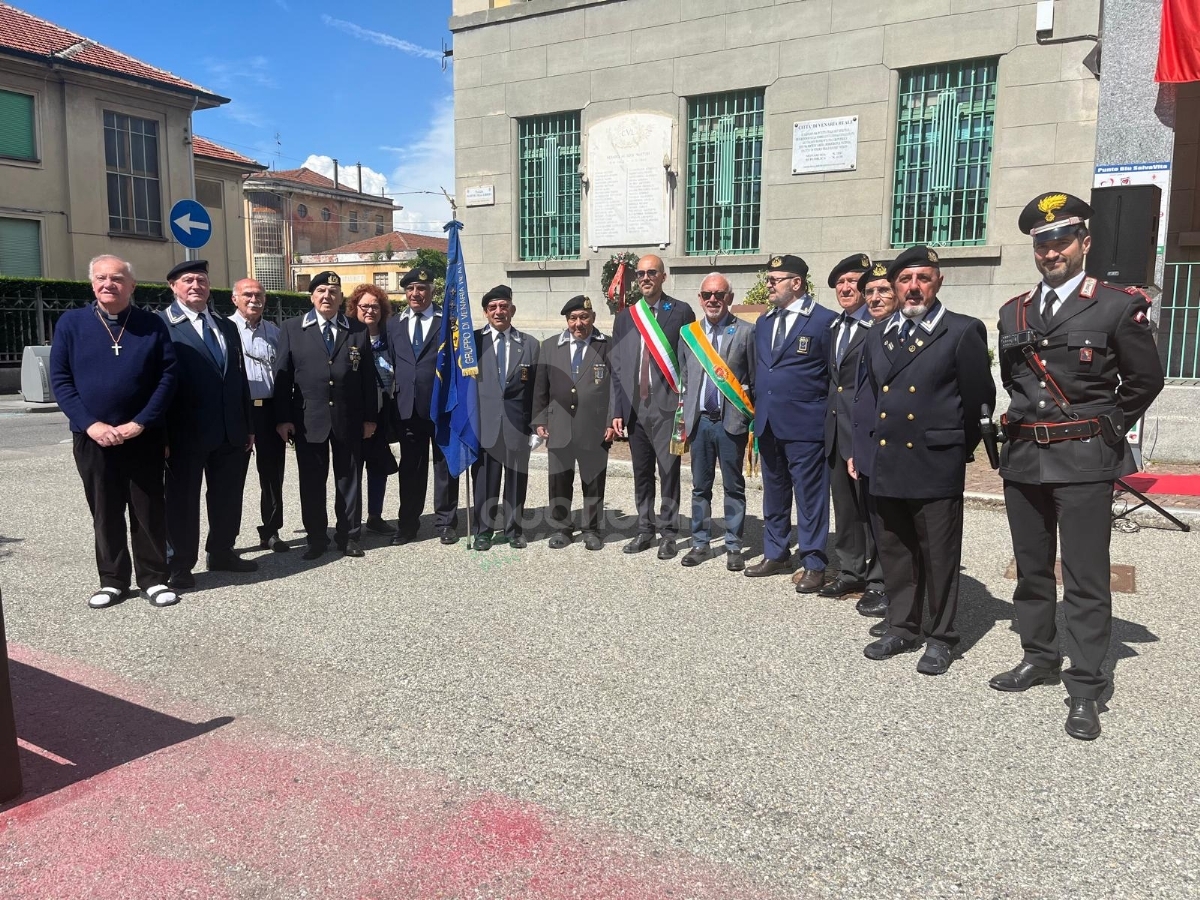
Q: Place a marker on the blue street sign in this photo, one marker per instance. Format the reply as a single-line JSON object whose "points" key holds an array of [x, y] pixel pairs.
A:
{"points": [[191, 224]]}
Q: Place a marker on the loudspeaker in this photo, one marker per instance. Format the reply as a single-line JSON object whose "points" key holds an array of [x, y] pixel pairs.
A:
{"points": [[1124, 229]]}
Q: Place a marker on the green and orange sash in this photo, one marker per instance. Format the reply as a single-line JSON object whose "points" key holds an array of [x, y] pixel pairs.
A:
{"points": [[722, 376]]}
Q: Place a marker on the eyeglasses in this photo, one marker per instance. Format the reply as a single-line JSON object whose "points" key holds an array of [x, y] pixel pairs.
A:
{"points": [[647, 273], [773, 280], [368, 307], [709, 295]]}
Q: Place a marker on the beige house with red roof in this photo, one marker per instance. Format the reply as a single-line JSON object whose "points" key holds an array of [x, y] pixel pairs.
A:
{"points": [[95, 147], [381, 260], [295, 212]]}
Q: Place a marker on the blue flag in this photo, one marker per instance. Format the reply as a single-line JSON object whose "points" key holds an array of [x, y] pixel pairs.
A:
{"points": [[455, 408]]}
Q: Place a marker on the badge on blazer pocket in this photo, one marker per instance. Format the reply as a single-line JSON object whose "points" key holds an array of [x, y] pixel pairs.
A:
{"points": [[599, 370], [524, 373], [804, 343], [355, 358]]}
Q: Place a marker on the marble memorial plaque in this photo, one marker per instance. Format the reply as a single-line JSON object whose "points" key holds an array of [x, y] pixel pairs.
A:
{"points": [[628, 196]]}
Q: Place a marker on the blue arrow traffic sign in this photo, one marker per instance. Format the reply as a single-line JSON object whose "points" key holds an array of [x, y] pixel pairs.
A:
{"points": [[191, 224]]}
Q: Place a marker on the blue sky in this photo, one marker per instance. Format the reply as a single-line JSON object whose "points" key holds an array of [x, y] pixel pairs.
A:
{"points": [[360, 82]]}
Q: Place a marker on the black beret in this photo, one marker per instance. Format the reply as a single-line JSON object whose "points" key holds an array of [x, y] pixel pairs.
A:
{"points": [[788, 263], [499, 292], [419, 275], [1053, 215], [191, 265], [326, 277], [913, 258], [859, 262], [878, 270], [577, 302]]}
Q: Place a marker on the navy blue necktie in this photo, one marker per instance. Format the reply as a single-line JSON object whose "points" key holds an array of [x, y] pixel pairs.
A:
{"points": [[211, 342], [712, 400], [906, 330], [844, 340], [418, 338], [781, 330], [329, 337], [501, 357], [577, 358]]}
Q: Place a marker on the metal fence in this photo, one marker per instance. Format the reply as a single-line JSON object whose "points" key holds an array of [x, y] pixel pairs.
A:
{"points": [[1179, 322], [28, 317]]}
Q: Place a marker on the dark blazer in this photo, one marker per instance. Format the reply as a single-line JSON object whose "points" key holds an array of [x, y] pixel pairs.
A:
{"points": [[211, 406], [322, 394], [791, 387], [1099, 349], [928, 398], [625, 357], [843, 381], [738, 351], [505, 410], [862, 420], [414, 375], [575, 410]]}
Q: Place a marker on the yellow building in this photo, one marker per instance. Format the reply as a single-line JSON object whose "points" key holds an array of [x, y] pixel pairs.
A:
{"points": [[381, 260]]}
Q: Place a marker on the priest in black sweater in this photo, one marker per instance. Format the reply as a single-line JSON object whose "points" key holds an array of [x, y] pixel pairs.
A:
{"points": [[112, 368]]}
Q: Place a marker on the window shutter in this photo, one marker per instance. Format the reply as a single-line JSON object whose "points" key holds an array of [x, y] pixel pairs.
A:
{"points": [[20, 248], [17, 136]]}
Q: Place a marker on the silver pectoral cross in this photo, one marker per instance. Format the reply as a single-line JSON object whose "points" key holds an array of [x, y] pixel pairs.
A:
{"points": [[116, 348]]}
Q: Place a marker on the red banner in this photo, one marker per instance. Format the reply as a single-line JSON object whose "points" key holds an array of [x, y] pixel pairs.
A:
{"points": [[616, 287], [1179, 42]]}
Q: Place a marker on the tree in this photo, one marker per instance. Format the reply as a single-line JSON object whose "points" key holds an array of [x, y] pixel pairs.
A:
{"points": [[433, 260]]}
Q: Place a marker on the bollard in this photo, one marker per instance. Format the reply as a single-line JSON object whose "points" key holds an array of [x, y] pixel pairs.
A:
{"points": [[10, 763]]}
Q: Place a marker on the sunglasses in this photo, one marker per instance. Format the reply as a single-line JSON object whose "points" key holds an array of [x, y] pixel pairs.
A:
{"points": [[709, 295], [646, 273], [772, 280], [368, 307]]}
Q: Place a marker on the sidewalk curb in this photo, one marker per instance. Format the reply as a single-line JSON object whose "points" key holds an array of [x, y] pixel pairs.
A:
{"points": [[21, 405]]}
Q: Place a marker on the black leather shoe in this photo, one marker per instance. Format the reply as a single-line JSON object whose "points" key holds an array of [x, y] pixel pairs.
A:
{"points": [[558, 540], [181, 581], [274, 542], [639, 544], [879, 629], [1025, 675], [519, 542], [403, 537], [593, 541], [767, 567], [935, 660], [888, 646], [734, 561], [230, 562], [447, 535], [695, 556], [378, 525], [1083, 721], [840, 587], [667, 548], [351, 549], [810, 582], [872, 603], [481, 542], [313, 551]]}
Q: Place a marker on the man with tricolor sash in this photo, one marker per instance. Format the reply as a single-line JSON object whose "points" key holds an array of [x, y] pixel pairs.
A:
{"points": [[645, 397], [717, 369]]}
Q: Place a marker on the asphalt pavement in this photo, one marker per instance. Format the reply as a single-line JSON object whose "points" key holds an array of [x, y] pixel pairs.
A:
{"points": [[428, 721]]}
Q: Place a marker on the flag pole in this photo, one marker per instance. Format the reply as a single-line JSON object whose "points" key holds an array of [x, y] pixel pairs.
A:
{"points": [[466, 472]]}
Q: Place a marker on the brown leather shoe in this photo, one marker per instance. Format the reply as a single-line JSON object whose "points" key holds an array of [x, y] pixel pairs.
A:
{"points": [[810, 582], [766, 567]]}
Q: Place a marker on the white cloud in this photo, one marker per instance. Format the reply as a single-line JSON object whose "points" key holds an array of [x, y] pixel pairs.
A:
{"points": [[378, 37], [244, 115], [254, 71], [426, 165], [372, 182]]}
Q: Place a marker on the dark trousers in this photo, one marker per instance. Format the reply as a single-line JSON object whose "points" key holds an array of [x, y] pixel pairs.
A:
{"points": [[312, 462], [1034, 513], [920, 546], [416, 439], [794, 469], [593, 469], [650, 448], [712, 444], [378, 458], [494, 464], [223, 471], [853, 541], [127, 476], [269, 458]]}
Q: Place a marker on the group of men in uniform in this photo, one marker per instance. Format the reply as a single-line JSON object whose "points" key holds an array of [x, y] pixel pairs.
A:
{"points": [[880, 406]]}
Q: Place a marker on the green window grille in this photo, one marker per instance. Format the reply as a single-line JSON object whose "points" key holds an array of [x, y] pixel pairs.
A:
{"points": [[131, 161], [17, 134], [550, 186], [724, 178], [20, 248], [944, 154]]}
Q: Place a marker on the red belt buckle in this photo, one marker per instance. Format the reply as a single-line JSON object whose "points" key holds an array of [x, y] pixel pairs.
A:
{"points": [[1041, 434]]}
